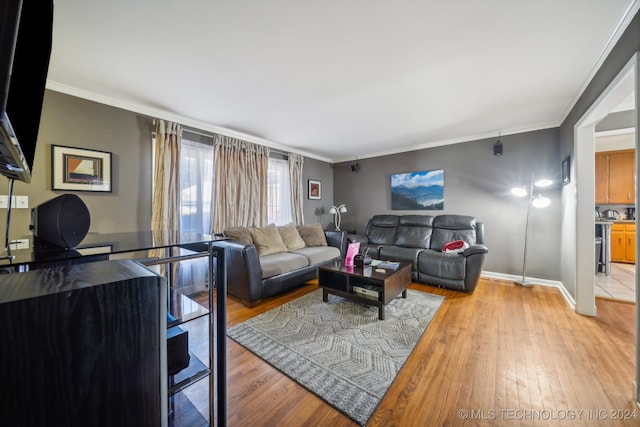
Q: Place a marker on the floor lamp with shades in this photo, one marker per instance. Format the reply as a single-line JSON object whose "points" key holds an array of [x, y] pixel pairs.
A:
{"points": [[538, 201], [337, 214]]}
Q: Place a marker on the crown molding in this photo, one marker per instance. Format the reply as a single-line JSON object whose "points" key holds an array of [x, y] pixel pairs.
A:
{"points": [[440, 143]]}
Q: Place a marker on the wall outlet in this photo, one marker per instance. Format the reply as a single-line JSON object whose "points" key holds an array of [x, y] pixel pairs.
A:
{"points": [[17, 202], [22, 202], [19, 244]]}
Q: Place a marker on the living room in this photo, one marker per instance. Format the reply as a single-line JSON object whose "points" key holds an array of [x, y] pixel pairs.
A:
{"points": [[477, 182]]}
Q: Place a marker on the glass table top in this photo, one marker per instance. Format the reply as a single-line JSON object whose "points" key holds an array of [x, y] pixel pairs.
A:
{"points": [[97, 244]]}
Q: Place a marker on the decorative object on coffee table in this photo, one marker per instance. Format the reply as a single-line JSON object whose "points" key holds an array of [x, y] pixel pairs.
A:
{"points": [[352, 251]]}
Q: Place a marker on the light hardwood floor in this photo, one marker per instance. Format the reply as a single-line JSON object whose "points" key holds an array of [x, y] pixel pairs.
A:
{"points": [[503, 355]]}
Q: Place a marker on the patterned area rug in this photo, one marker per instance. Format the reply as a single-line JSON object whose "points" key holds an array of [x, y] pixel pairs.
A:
{"points": [[339, 350]]}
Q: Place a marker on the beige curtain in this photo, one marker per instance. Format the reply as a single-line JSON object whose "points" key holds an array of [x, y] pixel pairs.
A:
{"points": [[165, 213], [165, 200], [297, 188], [240, 182]]}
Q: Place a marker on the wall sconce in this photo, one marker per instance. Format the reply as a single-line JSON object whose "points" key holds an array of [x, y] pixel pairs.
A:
{"points": [[337, 217], [319, 212], [539, 202]]}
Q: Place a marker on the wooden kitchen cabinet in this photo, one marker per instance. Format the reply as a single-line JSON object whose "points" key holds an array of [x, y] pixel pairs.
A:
{"points": [[622, 172], [630, 249], [623, 242], [617, 242], [602, 178], [615, 177]]}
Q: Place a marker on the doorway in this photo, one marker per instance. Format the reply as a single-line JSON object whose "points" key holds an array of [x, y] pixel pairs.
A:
{"points": [[628, 80], [615, 145], [611, 98]]}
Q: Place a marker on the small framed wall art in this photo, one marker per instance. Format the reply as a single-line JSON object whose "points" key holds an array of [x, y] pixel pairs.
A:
{"points": [[78, 169], [566, 170], [315, 190]]}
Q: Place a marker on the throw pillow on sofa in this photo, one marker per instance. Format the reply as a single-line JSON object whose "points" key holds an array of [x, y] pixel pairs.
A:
{"points": [[313, 235], [291, 237], [239, 234], [457, 246], [267, 240]]}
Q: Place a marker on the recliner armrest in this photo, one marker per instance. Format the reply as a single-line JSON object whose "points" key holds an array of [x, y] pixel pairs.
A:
{"points": [[337, 239], [244, 275], [354, 238], [475, 249]]}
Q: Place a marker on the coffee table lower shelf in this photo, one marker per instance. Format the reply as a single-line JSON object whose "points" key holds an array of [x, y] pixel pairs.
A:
{"points": [[338, 279]]}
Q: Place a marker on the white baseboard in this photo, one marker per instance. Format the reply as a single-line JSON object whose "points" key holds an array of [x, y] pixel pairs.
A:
{"points": [[543, 282]]}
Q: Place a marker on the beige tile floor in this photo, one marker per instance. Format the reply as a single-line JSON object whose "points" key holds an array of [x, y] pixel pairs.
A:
{"points": [[620, 284]]}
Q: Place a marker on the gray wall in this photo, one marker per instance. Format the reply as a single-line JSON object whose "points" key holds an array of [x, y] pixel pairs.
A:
{"points": [[617, 120], [477, 183], [318, 171], [71, 121]]}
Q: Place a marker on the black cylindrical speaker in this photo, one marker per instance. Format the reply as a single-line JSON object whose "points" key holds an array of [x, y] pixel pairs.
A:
{"points": [[62, 222], [497, 149]]}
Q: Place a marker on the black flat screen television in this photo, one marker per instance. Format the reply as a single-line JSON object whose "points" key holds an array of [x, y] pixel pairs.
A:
{"points": [[26, 32]]}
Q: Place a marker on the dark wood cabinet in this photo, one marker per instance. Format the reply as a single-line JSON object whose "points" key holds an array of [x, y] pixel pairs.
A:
{"points": [[82, 345], [104, 330]]}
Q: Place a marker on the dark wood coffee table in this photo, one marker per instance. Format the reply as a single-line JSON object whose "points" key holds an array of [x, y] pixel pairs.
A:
{"points": [[338, 279]]}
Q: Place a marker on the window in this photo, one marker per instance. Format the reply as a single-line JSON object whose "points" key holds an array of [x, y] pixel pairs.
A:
{"points": [[279, 192], [196, 184]]}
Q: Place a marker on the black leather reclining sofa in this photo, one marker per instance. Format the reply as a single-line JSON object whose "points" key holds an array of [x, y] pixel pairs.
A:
{"points": [[419, 240]]}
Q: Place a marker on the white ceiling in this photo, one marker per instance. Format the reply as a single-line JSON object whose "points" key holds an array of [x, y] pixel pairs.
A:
{"points": [[336, 79]]}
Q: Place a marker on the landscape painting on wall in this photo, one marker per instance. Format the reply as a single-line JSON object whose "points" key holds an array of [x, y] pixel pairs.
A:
{"points": [[418, 190]]}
